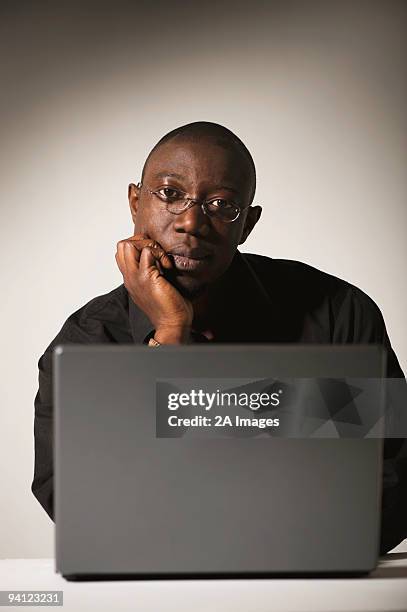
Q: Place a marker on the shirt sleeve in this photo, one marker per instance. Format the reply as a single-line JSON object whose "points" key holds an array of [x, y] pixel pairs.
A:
{"points": [[360, 320], [80, 328], [42, 485]]}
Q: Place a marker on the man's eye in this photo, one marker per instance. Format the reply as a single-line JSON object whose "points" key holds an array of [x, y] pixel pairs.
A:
{"points": [[167, 193], [219, 203]]}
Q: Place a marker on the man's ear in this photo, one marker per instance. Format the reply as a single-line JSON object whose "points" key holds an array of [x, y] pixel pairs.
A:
{"points": [[253, 215], [133, 193]]}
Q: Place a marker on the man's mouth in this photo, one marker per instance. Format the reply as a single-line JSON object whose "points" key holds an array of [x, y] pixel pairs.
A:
{"points": [[190, 259], [184, 263]]}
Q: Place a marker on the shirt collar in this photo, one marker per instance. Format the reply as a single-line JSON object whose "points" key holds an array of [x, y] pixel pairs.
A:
{"points": [[241, 295]]}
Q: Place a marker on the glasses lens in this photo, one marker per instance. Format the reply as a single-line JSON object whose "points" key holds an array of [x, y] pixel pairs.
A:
{"points": [[177, 206], [222, 209]]}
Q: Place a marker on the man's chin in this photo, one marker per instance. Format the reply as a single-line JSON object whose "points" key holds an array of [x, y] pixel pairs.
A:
{"points": [[189, 287]]}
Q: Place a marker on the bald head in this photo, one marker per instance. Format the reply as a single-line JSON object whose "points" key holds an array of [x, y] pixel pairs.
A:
{"points": [[212, 134]]}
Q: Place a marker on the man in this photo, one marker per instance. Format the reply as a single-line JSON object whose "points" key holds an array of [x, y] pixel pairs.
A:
{"points": [[185, 281]]}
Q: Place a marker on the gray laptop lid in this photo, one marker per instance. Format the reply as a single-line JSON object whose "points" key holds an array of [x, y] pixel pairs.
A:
{"points": [[130, 502]]}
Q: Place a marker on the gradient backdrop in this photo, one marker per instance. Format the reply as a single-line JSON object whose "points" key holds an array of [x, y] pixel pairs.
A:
{"points": [[317, 91]]}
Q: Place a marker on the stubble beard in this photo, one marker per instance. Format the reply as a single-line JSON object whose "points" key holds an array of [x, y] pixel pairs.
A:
{"points": [[190, 288]]}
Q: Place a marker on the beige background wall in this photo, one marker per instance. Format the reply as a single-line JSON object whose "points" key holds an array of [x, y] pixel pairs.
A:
{"points": [[317, 90]]}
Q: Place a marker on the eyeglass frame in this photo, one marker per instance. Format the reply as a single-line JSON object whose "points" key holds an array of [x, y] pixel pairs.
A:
{"points": [[192, 201]]}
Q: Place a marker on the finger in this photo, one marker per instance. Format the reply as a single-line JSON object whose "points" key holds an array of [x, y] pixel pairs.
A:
{"points": [[133, 254], [141, 237], [119, 255], [158, 251], [159, 266], [130, 258], [162, 257], [121, 247], [131, 249], [148, 263], [137, 237], [119, 263], [140, 241]]}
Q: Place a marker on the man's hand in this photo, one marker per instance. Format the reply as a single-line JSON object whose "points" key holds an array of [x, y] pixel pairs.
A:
{"points": [[142, 261]]}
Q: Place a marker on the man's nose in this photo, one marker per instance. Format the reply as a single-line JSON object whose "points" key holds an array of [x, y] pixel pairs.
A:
{"points": [[193, 221]]}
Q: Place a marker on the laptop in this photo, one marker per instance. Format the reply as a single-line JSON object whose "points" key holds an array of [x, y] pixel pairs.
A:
{"points": [[152, 480]]}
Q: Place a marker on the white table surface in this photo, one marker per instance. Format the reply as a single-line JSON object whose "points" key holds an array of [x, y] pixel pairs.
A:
{"points": [[383, 590]]}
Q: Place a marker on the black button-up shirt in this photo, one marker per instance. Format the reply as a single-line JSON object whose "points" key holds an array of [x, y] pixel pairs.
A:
{"points": [[258, 299]]}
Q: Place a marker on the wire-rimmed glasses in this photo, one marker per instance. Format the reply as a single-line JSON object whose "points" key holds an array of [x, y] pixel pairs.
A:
{"points": [[178, 202]]}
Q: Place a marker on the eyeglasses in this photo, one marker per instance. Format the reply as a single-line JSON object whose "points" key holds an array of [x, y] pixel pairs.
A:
{"points": [[177, 202]]}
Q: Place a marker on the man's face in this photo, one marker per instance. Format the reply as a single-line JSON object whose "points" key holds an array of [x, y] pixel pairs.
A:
{"points": [[202, 171]]}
